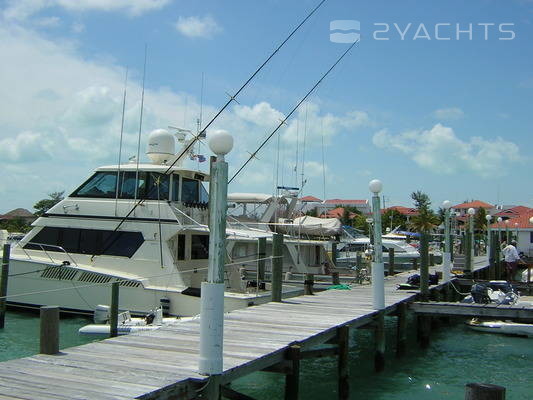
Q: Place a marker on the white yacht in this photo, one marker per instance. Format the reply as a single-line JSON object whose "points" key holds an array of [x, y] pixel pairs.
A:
{"points": [[354, 243], [145, 226]]}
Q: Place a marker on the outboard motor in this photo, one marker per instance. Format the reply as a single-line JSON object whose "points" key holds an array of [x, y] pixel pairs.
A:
{"points": [[480, 293], [101, 314]]}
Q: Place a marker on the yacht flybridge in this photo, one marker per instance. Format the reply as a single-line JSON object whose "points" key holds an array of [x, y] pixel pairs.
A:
{"points": [[145, 226]]}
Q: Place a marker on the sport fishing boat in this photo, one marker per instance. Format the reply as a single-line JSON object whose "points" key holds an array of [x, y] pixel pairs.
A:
{"points": [[145, 226]]}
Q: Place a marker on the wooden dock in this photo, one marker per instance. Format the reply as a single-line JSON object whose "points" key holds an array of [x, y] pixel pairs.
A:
{"points": [[162, 364], [518, 312]]}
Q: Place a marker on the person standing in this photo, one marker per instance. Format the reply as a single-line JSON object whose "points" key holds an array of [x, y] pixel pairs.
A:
{"points": [[511, 258]]}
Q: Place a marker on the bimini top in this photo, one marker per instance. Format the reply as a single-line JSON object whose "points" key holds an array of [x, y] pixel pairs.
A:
{"points": [[261, 198]]}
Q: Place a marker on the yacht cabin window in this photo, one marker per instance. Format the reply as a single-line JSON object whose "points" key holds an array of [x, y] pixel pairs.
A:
{"points": [[86, 241], [199, 247], [132, 184]]}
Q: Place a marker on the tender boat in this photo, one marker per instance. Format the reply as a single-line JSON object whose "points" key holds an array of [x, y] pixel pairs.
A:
{"points": [[503, 327], [126, 323]]}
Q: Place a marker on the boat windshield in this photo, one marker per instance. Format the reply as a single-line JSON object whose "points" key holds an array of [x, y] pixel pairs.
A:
{"points": [[141, 185]]}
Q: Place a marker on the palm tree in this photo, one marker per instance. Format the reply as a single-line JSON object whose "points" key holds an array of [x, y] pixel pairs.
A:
{"points": [[426, 219]]}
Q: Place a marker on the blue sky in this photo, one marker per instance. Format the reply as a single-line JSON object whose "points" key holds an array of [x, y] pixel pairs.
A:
{"points": [[449, 117]]}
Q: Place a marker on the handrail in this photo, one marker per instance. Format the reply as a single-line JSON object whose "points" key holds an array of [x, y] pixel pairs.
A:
{"points": [[42, 246]]}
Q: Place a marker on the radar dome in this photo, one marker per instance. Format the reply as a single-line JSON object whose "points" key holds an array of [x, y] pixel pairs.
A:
{"points": [[161, 146]]}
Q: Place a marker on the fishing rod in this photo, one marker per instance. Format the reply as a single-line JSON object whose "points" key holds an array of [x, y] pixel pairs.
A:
{"points": [[202, 131], [284, 120]]}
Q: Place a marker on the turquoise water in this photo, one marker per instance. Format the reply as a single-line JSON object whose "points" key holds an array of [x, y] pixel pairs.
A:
{"points": [[456, 356], [20, 336]]}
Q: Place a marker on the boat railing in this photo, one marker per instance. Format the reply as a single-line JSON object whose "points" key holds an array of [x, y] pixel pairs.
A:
{"points": [[43, 247]]}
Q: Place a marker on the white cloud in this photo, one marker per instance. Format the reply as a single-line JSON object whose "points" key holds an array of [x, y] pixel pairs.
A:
{"points": [[48, 22], [77, 27], [64, 113], [22, 9], [198, 27], [441, 151], [451, 113]]}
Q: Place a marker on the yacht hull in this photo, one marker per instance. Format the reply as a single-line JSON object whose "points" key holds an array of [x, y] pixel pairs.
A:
{"points": [[28, 288]]}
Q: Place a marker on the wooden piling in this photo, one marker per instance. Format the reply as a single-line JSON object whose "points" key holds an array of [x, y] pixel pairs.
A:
{"points": [[335, 278], [391, 261], [484, 391], [308, 284], [334, 253], [113, 312], [424, 329], [415, 264], [277, 266], [261, 255], [379, 337], [292, 379], [3, 284], [49, 330], [343, 339], [424, 267], [492, 255], [401, 331]]}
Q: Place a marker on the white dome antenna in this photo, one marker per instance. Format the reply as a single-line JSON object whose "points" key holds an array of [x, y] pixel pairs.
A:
{"points": [[161, 146]]}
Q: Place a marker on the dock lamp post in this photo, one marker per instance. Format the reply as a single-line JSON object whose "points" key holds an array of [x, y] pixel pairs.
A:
{"points": [[487, 246], [378, 269], [516, 231], [499, 220], [471, 212], [447, 257], [212, 292]]}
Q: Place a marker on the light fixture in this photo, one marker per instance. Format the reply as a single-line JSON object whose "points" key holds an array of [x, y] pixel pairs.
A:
{"points": [[220, 142], [375, 186], [446, 204], [471, 211]]}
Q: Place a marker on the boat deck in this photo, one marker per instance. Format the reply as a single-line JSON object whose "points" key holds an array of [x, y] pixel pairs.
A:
{"points": [[163, 363]]}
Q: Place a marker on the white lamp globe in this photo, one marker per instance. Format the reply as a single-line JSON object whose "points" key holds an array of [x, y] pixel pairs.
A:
{"points": [[488, 218], [446, 204], [471, 211], [220, 142], [531, 220], [516, 224], [375, 186], [499, 219], [506, 222]]}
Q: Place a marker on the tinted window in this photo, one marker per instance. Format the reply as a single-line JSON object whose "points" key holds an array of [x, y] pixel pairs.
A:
{"points": [[204, 196], [199, 247], [157, 186], [189, 190], [181, 247], [87, 241], [101, 184], [175, 187]]}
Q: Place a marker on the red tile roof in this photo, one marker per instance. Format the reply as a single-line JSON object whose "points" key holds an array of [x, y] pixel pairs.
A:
{"points": [[340, 201], [336, 213], [310, 199], [513, 211], [402, 210], [522, 220], [473, 204]]}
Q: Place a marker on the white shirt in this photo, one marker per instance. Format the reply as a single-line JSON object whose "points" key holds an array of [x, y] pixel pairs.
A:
{"points": [[510, 253]]}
